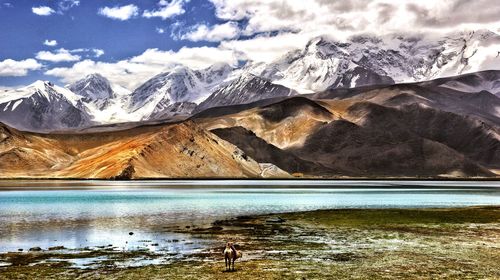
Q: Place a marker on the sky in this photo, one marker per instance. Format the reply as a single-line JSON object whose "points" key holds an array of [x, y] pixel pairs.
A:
{"points": [[129, 41]]}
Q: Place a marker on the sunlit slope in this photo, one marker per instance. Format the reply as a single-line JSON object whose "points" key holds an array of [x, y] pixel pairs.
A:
{"points": [[179, 150]]}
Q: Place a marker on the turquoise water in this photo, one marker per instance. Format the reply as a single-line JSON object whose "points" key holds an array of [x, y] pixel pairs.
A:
{"points": [[105, 216]]}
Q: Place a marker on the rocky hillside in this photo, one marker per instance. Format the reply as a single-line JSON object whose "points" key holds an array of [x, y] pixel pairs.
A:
{"points": [[167, 151], [43, 106], [444, 128]]}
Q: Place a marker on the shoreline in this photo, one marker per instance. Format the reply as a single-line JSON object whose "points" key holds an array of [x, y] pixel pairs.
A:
{"points": [[294, 179], [245, 184], [314, 242]]}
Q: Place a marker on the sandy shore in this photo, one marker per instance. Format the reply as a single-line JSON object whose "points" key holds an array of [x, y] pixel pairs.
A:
{"points": [[453, 243]]}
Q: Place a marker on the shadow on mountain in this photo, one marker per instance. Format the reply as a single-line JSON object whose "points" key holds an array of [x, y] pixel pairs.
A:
{"points": [[264, 152]]}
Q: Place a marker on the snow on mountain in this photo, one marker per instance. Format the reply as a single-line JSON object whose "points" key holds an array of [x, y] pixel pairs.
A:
{"points": [[182, 85], [323, 63], [93, 88], [365, 60], [42, 106], [246, 88], [106, 103]]}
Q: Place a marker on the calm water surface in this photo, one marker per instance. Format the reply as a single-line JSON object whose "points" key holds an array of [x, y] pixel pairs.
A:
{"points": [[103, 213]]}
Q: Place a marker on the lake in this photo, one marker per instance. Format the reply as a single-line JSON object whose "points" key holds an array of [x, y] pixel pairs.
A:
{"points": [[135, 215]]}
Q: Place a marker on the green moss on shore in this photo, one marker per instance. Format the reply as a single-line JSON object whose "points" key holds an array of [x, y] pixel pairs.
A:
{"points": [[457, 243]]}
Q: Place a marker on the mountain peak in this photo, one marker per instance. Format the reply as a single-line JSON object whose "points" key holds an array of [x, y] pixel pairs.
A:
{"points": [[95, 76], [219, 66], [39, 84], [93, 87]]}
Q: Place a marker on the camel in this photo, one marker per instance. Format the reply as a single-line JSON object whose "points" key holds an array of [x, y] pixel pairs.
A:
{"points": [[231, 254]]}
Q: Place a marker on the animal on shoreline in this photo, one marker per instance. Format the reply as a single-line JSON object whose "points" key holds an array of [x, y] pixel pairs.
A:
{"points": [[230, 255]]}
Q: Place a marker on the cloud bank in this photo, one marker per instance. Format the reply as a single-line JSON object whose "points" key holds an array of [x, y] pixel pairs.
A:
{"points": [[17, 68], [119, 13], [264, 30]]}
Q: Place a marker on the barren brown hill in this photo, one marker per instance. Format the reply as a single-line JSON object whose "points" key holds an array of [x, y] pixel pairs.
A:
{"points": [[170, 151], [264, 152], [180, 150], [429, 129], [365, 152], [469, 94], [401, 130], [470, 136], [283, 124], [27, 154]]}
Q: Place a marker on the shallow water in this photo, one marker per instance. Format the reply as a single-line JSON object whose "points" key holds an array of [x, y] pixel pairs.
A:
{"points": [[105, 213]]}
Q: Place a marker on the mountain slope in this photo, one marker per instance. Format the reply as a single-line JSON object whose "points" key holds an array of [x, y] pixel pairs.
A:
{"points": [[264, 152], [367, 60], [181, 85], [106, 103], [364, 151], [163, 151], [246, 88], [93, 88], [42, 106], [353, 137], [460, 133], [24, 154], [181, 150], [283, 124], [470, 99], [471, 82]]}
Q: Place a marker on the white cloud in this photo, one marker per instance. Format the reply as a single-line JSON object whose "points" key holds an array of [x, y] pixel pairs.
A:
{"points": [[132, 72], [10, 67], [98, 52], [160, 30], [166, 10], [12, 87], [88, 52], [285, 25], [42, 10], [280, 26], [374, 16], [119, 13], [60, 55], [50, 43], [196, 58], [266, 48], [65, 5], [215, 33]]}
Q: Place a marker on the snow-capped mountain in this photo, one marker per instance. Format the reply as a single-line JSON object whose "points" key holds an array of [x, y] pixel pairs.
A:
{"points": [[364, 60], [322, 64], [105, 102], [181, 86], [42, 106], [94, 88], [246, 88]]}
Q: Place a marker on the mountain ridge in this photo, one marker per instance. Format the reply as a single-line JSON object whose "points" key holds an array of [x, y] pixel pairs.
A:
{"points": [[323, 64]]}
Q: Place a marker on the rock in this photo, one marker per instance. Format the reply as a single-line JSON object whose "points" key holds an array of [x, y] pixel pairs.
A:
{"points": [[155, 245], [55, 248], [275, 220], [130, 233], [20, 250], [35, 249], [216, 228]]}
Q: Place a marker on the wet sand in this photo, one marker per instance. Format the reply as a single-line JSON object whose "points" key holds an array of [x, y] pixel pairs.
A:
{"points": [[454, 243]]}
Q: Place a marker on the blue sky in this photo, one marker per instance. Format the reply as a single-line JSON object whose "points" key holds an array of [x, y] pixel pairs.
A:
{"points": [[129, 41], [23, 32]]}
